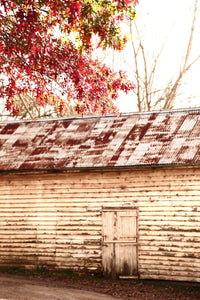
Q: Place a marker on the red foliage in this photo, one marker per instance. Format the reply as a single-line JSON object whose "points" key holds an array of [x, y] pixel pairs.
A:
{"points": [[34, 60]]}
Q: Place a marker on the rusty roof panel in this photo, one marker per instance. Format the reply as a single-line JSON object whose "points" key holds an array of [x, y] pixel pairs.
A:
{"points": [[157, 138]]}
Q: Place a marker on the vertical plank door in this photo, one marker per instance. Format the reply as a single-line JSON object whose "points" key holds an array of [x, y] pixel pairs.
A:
{"points": [[119, 251]]}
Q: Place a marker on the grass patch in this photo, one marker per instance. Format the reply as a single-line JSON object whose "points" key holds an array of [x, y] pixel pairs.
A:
{"points": [[13, 270], [40, 271]]}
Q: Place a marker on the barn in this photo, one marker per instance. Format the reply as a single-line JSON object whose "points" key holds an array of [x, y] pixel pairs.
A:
{"points": [[114, 194]]}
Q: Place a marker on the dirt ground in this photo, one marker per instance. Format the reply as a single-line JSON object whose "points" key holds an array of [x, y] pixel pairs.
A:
{"points": [[15, 288], [72, 286]]}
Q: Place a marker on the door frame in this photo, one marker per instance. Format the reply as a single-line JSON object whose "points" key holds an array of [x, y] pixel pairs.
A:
{"points": [[104, 244]]}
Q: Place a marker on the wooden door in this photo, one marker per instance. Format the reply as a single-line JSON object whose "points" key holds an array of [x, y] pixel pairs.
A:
{"points": [[119, 251]]}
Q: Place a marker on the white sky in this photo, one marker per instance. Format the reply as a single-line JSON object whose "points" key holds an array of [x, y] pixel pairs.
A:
{"points": [[170, 21]]}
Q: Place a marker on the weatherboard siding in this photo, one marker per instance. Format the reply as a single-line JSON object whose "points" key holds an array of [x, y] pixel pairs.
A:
{"points": [[55, 219]]}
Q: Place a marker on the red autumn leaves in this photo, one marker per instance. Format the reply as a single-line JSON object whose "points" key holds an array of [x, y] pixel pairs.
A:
{"points": [[36, 61]]}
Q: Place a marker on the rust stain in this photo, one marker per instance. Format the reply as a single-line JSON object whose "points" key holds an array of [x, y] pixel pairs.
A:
{"points": [[127, 140], [20, 143], [9, 128], [146, 126], [2, 141], [65, 124], [105, 137], [84, 127], [39, 150]]}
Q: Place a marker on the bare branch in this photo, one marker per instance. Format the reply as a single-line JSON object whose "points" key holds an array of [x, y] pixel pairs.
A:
{"points": [[136, 71], [148, 96], [171, 96], [26, 106]]}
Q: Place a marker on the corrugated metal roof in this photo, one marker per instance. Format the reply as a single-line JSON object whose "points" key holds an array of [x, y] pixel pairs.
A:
{"points": [[154, 139]]}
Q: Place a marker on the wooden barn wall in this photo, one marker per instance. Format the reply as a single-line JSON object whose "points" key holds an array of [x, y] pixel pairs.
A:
{"points": [[55, 219]]}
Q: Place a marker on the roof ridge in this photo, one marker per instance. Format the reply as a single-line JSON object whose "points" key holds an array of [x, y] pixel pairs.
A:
{"points": [[126, 114]]}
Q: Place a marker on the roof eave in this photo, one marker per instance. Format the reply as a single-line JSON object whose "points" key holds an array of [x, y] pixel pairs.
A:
{"points": [[75, 169]]}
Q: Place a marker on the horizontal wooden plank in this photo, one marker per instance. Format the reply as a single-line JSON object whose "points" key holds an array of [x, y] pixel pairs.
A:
{"points": [[159, 218], [96, 203], [167, 253], [169, 259], [173, 273], [165, 269], [100, 193], [169, 234], [147, 262], [176, 228], [170, 277], [92, 200], [157, 187], [171, 248], [170, 239], [62, 207], [159, 264], [177, 244], [171, 223]]}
